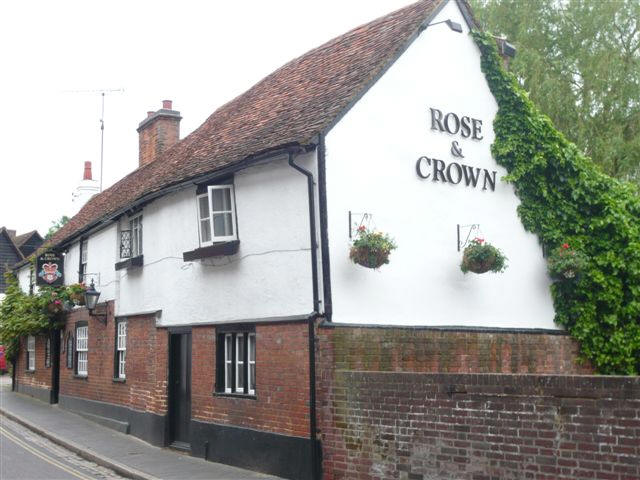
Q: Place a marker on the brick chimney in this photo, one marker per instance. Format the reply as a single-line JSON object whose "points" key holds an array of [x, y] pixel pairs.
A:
{"points": [[158, 132]]}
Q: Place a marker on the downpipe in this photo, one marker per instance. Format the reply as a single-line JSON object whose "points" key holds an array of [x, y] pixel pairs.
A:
{"points": [[313, 427]]}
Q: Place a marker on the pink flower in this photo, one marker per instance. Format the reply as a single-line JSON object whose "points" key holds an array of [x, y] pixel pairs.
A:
{"points": [[479, 240], [57, 302], [362, 228], [565, 246]]}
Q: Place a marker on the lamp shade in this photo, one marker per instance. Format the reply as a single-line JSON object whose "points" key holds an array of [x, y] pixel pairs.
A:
{"points": [[91, 296]]}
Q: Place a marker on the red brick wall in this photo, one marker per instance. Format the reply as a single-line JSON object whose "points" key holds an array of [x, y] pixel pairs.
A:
{"points": [[481, 426], [41, 377], [282, 381], [146, 368], [386, 411], [429, 350]]}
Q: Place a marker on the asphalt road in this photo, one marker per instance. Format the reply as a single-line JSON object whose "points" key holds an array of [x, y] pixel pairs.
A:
{"points": [[24, 455]]}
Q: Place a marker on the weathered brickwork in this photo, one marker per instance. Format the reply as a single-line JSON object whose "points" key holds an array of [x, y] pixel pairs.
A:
{"points": [[429, 350], [282, 381], [384, 415], [145, 386], [481, 426], [41, 376]]}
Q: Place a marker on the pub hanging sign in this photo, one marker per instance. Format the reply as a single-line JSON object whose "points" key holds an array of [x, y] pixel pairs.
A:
{"points": [[50, 268]]}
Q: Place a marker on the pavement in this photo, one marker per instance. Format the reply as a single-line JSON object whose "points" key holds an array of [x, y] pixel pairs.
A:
{"points": [[126, 455]]}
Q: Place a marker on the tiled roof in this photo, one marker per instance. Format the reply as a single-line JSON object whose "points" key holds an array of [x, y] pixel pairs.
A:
{"points": [[292, 105], [20, 239]]}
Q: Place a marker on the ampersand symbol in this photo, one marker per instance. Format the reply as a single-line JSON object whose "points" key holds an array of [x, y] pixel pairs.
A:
{"points": [[456, 151]]}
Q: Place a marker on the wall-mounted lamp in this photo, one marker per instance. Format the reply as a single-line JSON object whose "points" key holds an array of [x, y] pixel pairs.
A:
{"points": [[455, 26], [91, 296]]}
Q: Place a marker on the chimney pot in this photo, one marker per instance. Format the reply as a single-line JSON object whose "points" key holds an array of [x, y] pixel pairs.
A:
{"points": [[166, 104], [87, 171]]}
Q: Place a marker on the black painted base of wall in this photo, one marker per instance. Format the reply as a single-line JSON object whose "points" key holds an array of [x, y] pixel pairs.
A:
{"points": [[281, 455], [41, 393], [44, 394], [148, 426]]}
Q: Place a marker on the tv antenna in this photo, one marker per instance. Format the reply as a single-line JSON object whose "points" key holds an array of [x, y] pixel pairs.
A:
{"points": [[102, 93]]}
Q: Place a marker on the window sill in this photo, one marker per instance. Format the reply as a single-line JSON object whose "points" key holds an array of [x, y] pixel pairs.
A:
{"points": [[236, 395], [216, 250], [30, 371], [133, 262], [119, 380], [80, 377]]}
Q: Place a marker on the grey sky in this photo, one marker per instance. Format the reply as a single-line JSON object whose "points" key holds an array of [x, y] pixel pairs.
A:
{"points": [[198, 54]]}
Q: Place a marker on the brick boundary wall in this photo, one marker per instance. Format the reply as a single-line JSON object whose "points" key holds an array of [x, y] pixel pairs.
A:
{"points": [[449, 350], [430, 403], [480, 426]]}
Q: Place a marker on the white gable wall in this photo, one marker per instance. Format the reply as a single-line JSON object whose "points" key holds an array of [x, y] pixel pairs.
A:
{"points": [[371, 168]]}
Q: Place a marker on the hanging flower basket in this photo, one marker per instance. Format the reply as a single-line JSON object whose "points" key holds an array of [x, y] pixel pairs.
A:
{"points": [[371, 249], [55, 307], [565, 263], [77, 298], [481, 257]]}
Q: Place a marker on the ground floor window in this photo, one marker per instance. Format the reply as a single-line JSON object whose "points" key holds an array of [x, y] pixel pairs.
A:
{"points": [[47, 353], [31, 353], [236, 362], [121, 348], [82, 349], [69, 351]]}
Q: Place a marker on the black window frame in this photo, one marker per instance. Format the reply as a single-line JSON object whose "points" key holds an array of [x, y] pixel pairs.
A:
{"points": [[81, 266], [70, 348], [47, 353], [220, 381]]}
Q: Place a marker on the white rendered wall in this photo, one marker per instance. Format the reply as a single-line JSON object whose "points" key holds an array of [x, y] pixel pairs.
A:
{"points": [[270, 276], [72, 264], [101, 260], [371, 158]]}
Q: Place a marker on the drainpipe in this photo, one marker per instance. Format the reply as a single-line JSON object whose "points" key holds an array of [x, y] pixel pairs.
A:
{"points": [[313, 429]]}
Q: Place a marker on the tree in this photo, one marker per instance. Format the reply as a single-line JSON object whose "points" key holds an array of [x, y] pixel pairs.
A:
{"points": [[580, 62], [55, 226]]}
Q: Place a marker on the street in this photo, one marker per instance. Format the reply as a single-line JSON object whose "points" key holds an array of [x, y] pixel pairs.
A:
{"points": [[26, 455]]}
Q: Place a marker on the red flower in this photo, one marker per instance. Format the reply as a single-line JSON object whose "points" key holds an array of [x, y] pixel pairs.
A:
{"points": [[362, 228], [479, 240], [565, 246]]}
